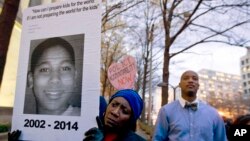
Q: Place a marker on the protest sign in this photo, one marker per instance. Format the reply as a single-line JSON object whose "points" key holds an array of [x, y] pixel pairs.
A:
{"points": [[122, 75], [57, 91]]}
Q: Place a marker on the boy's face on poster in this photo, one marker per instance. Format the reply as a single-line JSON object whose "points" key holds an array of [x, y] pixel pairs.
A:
{"points": [[54, 79]]}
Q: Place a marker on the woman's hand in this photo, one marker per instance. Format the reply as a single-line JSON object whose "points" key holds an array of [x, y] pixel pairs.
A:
{"points": [[95, 134], [13, 136]]}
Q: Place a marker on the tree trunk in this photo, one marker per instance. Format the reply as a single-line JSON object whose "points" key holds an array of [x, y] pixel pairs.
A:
{"points": [[165, 76], [105, 77], [7, 21]]}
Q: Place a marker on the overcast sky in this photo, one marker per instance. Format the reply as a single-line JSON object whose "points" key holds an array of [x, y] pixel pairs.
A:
{"points": [[216, 57]]}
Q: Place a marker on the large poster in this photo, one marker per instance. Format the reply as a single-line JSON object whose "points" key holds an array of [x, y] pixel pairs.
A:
{"points": [[57, 94]]}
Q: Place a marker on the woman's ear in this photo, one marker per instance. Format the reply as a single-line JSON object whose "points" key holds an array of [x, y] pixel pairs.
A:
{"points": [[30, 80]]}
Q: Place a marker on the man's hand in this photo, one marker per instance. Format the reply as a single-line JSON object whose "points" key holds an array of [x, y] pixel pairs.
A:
{"points": [[13, 136], [95, 134]]}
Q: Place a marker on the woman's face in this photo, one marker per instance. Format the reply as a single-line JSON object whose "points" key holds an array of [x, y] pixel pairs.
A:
{"points": [[54, 80], [118, 113]]}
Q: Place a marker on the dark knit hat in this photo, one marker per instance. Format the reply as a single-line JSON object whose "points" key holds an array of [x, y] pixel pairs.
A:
{"points": [[133, 99]]}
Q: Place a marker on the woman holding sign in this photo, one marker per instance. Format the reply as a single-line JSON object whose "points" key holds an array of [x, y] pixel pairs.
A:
{"points": [[120, 117], [124, 107], [118, 122]]}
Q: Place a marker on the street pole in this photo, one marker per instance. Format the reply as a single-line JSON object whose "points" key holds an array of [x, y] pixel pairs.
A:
{"points": [[164, 84], [174, 90]]}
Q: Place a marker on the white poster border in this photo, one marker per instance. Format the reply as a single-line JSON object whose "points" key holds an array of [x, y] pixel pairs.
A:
{"points": [[86, 22]]}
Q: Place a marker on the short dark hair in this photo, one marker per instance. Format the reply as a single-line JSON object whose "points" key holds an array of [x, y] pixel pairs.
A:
{"points": [[242, 120], [38, 51]]}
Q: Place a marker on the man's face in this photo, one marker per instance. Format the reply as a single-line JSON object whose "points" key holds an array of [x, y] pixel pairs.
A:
{"points": [[118, 113], [189, 83], [54, 79]]}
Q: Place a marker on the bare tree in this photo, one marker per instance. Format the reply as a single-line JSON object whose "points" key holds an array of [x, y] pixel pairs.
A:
{"points": [[111, 51], [112, 9], [112, 48], [190, 23], [142, 39]]}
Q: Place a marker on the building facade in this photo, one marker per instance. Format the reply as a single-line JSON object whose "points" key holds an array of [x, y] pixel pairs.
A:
{"points": [[223, 91], [245, 73]]}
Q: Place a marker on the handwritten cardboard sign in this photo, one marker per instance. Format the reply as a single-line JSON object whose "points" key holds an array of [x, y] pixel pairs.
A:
{"points": [[122, 75]]}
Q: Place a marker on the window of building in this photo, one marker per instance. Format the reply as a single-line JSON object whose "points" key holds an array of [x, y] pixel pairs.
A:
{"points": [[248, 75], [243, 76], [245, 91], [244, 84], [242, 62], [246, 60]]}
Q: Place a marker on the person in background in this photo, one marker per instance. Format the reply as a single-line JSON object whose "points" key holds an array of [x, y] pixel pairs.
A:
{"points": [[102, 106], [241, 122], [189, 119], [119, 121], [52, 77], [227, 123]]}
